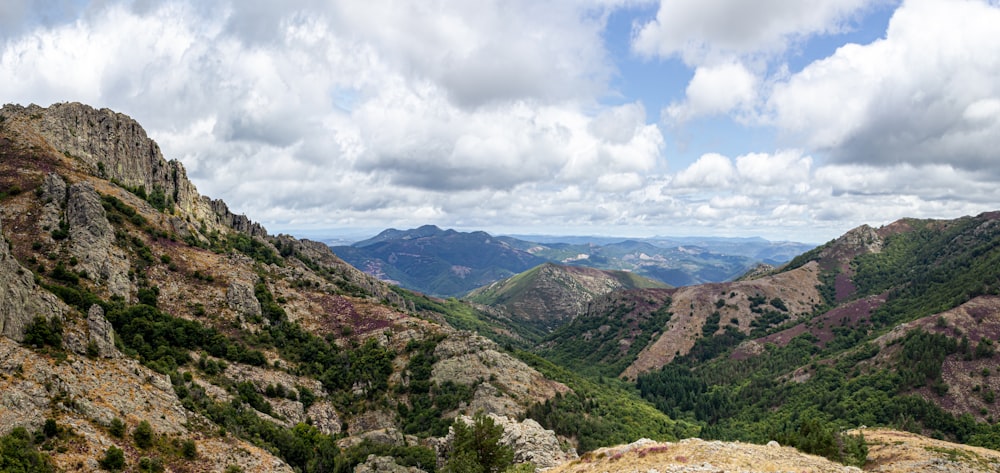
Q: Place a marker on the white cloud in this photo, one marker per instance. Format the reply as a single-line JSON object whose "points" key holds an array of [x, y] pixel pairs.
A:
{"points": [[926, 94], [700, 30], [715, 90], [710, 170]]}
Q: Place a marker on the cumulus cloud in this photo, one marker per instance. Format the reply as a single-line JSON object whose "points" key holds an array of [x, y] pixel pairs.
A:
{"points": [[715, 90], [700, 30], [926, 94]]}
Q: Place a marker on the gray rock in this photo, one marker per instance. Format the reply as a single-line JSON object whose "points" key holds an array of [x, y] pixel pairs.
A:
{"points": [[531, 442], [241, 298], [20, 298], [93, 240], [101, 333], [53, 197], [376, 464]]}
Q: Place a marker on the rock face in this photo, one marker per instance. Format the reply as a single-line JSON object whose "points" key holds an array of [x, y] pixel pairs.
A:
{"points": [[20, 298], [101, 334], [532, 443], [93, 240], [510, 385], [375, 464], [240, 298], [113, 146]]}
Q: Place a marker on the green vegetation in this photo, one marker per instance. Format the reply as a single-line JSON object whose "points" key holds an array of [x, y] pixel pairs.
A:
{"points": [[464, 316], [602, 412], [590, 344], [476, 448], [44, 333], [424, 414], [113, 459], [19, 453]]}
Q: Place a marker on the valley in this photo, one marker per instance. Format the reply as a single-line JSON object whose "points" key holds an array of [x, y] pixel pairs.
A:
{"points": [[145, 327]]}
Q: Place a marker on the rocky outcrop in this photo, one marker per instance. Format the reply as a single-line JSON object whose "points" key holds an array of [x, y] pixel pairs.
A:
{"points": [[53, 197], [20, 298], [101, 334], [98, 390], [93, 239], [530, 441], [505, 385], [240, 223], [376, 464], [114, 146], [240, 297]]}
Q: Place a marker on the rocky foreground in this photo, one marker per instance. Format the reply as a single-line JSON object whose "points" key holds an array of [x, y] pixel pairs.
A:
{"points": [[890, 451]]}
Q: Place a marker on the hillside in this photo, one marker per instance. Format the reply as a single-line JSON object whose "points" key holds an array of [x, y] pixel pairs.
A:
{"points": [[550, 295], [892, 326], [147, 326]]}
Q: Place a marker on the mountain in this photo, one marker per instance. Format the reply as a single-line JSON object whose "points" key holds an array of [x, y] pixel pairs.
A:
{"points": [[450, 263], [893, 326], [549, 295], [147, 327], [435, 261]]}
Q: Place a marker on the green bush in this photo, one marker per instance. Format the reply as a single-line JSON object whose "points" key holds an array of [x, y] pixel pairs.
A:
{"points": [[41, 332], [117, 428], [189, 449], [113, 460], [18, 453], [143, 435]]}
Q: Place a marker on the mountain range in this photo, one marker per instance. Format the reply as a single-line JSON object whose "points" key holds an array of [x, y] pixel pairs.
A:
{"points": [[452, 263], [145, 327]]}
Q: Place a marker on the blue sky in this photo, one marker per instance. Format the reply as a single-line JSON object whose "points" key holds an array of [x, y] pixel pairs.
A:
{"points": [[774, 118]]}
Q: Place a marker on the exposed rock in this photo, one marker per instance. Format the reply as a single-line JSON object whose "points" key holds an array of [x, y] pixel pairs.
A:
{"points": [[93, 240], [530, 441], [102, 335], [369, 421], [376, 464], [241, 298], [99, 390], [470, 359], [324, 417], [389, 436], [20, 298], [239, 223], [53, 197]]}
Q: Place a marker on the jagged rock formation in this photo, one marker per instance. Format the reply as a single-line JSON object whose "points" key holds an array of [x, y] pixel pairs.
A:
{"points": [[93, 240], [241, 299], [531, 442], [101, 334], [113, 146], [20, 298]]}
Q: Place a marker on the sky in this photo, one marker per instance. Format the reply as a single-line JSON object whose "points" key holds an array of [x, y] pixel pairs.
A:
{"points": [[784, 119]]}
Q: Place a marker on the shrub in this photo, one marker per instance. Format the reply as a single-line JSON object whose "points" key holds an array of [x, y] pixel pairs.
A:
{"points": [[41, 332], [117, 428], [143, 435], [189, 449], [114, 459]]}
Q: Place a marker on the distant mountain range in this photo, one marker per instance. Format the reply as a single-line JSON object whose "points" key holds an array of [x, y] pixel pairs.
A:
{"points": [[451, 263]]}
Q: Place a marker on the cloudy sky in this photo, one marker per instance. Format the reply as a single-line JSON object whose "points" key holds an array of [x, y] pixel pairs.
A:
{"points": [[785, 119]]}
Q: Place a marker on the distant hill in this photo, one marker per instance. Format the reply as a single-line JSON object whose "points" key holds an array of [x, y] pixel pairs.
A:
{"points": [[435, 261], [549, 295], [451, 263]]}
